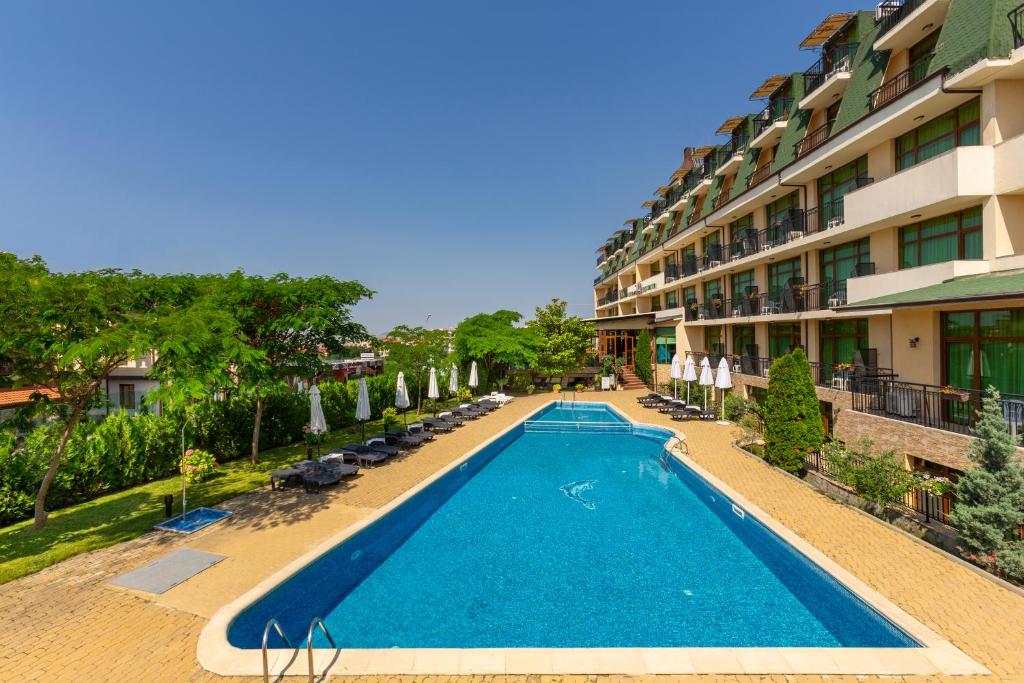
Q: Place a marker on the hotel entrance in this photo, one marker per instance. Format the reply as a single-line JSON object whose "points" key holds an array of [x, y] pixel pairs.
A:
{"points": [[619, 344]]}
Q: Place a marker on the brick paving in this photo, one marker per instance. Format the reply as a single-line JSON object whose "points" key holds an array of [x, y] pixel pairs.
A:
{"points": [[66, 623]]}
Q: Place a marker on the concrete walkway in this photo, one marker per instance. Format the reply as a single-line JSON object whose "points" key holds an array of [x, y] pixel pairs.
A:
{"points": [[67, 623]]}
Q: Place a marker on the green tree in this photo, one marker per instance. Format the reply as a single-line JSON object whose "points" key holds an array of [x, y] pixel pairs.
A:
{"points": [[566, 339], [69, 331], [880, 478], [642, 364], [793, 424], [990, 497], [413, 350], [494, 340], [290, 324]]}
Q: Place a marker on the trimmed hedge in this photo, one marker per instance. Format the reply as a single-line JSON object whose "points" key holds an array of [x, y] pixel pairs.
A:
{"points": [[792, 415], [125, 450]]}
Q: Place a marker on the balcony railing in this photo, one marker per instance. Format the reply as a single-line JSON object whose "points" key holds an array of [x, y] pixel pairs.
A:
{"points": [[610, 298], [899, 84], [796, 298], [721, 200], [777, 110], [690, 266], [760, 174], [837, 59], [671, 272], [739, 144], [950, 409], [813, 140], [892, 12], [825, 375], [1016, 17]]}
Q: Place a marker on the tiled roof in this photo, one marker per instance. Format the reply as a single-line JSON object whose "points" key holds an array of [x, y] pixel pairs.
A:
{"points": [[12, 398], [1009, 284]]}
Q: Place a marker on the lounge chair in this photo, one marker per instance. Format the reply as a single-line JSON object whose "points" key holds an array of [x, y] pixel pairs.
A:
{"points": [[488, 406], [669, 406], [321, 474], [436, 424], [362, 454], [415, 439], [465, 413], [420, 429], [499, 398], [648, 397], [337, 461], [279, 479], [686, 413], [449, 416], [400, 440]]}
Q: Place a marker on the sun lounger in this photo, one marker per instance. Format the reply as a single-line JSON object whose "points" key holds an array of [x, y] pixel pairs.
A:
{"points": [[435, 424], [362, 454], [499, 398], [400, 440], [451, 417], [464, 413], [686, 413], [669, 406], [320, 474], [481, 406], [404, 434], [648, 397], [382, 446], [420, 429], [281, 478]]}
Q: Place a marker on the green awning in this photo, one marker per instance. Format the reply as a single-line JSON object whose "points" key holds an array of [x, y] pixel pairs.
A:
{"points": [[1004, 285]]}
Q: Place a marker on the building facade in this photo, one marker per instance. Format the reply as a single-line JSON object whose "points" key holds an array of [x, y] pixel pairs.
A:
{"points": [[870, 212]]}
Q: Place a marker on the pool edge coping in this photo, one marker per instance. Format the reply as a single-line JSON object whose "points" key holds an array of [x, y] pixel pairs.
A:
{"points": [[936, 655]]}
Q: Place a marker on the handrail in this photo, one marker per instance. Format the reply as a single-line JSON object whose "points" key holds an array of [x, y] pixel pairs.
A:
{"points": [[317, 621], [1016, 17], [266, 634]]}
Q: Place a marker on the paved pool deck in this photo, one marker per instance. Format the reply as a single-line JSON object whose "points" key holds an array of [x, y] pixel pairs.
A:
{"points": [[68, 623]]}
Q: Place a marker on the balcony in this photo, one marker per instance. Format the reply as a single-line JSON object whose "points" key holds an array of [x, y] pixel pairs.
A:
{"points": [[825, 375], [813, 140], [672, 273], [899, 84], [1016, 17], [871, 285], [722, 199], [731, 163], [702, 186], [794, 298], [950, 409], [949, 182], [610, 298], [903, 24], [760, 174], [826, 81], [689, 265], [770, 124]]}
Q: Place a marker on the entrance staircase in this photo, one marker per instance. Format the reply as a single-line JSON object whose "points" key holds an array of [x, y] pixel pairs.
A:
{"points": [[630, 380]]}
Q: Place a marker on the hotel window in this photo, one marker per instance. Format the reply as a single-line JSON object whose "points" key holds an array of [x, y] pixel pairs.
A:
{"points": [[690, 259], [709, 243], [957, 128], [832, 187], [664, 344], [982, 348], [946, 238], [672, 299], [840, 339], [783, 338], [713, 341], [655, 268], [742, 337], [779, 211], [780, 275], [837, 264], [738, 284], [712, 290], [742, 236], [126, 396]]}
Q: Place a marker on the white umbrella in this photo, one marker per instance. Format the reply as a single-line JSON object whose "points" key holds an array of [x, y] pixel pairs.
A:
{"points": [[689, 375], [474, 381], [453, 381], [706, 378], [363, 405], [432, 391], [317, 423], [402, 396], [723, 380], [676, 374]]}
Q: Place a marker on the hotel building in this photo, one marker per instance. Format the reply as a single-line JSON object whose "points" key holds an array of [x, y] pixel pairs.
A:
{"points": [[871, 211]]}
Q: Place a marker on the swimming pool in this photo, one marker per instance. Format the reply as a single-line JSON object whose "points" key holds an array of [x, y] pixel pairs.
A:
{"points": [[569, 539]]}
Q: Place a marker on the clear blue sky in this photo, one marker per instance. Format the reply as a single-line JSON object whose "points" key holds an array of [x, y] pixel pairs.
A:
{"points": [[455, 156]]}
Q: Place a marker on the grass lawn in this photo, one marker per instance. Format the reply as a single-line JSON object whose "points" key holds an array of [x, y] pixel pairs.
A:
{"points": [[126, 514]]}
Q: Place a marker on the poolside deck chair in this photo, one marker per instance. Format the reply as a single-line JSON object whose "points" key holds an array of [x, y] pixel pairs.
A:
{"points": [[337, 461], [500, 398], [318, 474], [670, 406], [436, 424], [400, 440], [464, 413], [382, 446], [485, 404], [648, 397], [420, 429], [362, 454], [449, 416], [686, 413], [417, 439]]}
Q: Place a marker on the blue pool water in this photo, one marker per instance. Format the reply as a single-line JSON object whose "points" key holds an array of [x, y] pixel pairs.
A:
{"points": [[194, 520], [569, 539]]}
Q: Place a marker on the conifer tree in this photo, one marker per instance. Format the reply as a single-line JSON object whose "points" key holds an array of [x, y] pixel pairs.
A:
{"points": [[793, 425]]}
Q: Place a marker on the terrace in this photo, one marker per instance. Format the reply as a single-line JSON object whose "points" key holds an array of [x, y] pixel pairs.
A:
{"points": [[795, 297], [826, 80], [901, 23]]}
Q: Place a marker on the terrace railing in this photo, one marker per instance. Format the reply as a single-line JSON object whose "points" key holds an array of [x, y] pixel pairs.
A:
{"points": [[899, 84], [951, 409], [671, 272], [837, 59], [813, 140], [721, 200], [690, 266], [892, 12], [760, 174], [777, 110], [1016, 17]]}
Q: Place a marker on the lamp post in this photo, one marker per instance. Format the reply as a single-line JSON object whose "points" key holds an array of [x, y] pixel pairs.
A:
{"points": [[419, 376]]}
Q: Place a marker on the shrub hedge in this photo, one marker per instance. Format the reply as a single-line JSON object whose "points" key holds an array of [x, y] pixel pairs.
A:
{"points": [[125, 450]]}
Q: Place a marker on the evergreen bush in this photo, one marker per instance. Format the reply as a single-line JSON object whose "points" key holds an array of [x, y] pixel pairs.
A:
{"points": [[793, 426], [642, 365], [989, 508]]}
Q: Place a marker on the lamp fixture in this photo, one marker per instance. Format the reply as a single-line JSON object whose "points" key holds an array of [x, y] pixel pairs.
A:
{"points": [[914, 341]]}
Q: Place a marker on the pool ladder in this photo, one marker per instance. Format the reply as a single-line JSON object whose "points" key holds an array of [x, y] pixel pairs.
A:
{"points": [[317, 622]]}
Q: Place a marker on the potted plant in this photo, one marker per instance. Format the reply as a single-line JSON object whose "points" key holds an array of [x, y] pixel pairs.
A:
{"points": [[580, 388], [555, 388], [954, 393], [530, 389]]}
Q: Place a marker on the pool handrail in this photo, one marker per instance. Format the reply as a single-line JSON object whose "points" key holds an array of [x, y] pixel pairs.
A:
{"points": [[317, 621], [266, 634]]}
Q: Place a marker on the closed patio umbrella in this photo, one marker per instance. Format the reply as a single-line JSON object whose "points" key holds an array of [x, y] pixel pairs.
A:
{"points": [[402, 397], [432, 390], [706, 378], [474, 381], [723, 381], [676, 374], [689, 375], [363, 406], [317, 423], [453, 381]]}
